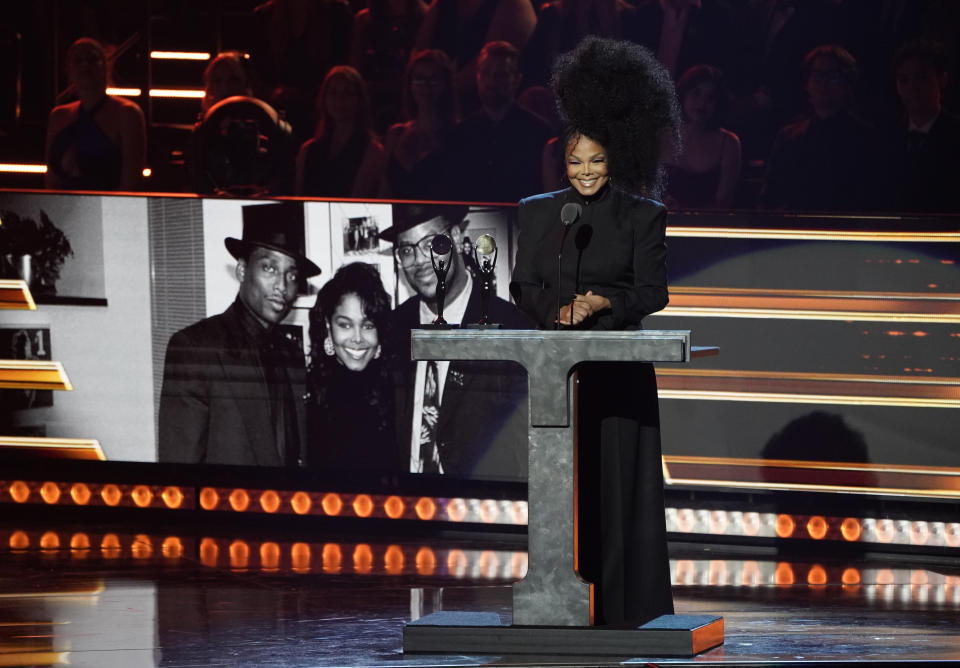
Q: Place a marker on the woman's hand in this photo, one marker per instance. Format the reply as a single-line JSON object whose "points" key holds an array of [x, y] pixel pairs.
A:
{"points": [[582, 307]]}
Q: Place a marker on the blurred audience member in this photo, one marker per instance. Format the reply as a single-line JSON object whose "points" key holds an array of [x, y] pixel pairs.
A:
{"points": [[926, 148], [704, 173], [225, 76], [460, 28], [412, 147], [383, 36], [495, 153], [350, 415], [299, 43], [344, 158], [99, 141], [561, 25], [827, 160], [683, 33]]}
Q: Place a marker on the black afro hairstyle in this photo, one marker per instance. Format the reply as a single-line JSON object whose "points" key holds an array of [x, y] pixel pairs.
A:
{"points": [[618, 94]]}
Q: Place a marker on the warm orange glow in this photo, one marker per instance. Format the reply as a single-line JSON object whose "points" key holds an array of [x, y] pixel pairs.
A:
{"points": [[177, 93], [362, 559], [951, 534], [817, 575], [270, 556], [172, 547], [488, 563], [300, 557], [332, 504], [885, 577], [19, 491], [750, 524], [172, 497], [686, 520], [718, 574], [209, 498], [80, 493], [270, 501], [457, 563], [111, 494], [50, 541], [456, 510], [426, 561], [141, 495], [489, 511], [209, 552], [393, 560], [394, 507], [850, 529], [425, 508], [239, 555], [519, 512], [19, 540], [125, 92], [110, 546], [180, 55], [239, 500], [50, 492], [142, 546], [363, 505], [850, 576], [518, 565], [817, 527], [22, 168], [919, 578], [301, 503], [332, 558], [783, 575], [80, 541], [686, 572], [784, 526]]}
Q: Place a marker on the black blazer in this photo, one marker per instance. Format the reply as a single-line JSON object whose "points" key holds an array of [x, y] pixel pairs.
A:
{"points": [[482, 427], [215, 403], [623, 256]]}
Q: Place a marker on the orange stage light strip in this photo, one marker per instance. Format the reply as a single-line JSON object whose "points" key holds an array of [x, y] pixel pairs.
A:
{"points": [[177, 92], [800, 387], [179, 55], [22, 168], [33, 375], [812, 235], [16, 295], [57, 448], [775, 474], [125, 92]]}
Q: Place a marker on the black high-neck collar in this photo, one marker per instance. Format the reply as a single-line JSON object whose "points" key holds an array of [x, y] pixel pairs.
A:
{"points": [[575, 196]]}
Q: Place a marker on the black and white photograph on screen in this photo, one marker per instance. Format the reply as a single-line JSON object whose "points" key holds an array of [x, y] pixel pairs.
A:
{"points": [[25, 343]]}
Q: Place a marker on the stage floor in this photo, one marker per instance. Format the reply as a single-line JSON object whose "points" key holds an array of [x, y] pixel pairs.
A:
{"points": [[106, 598]]}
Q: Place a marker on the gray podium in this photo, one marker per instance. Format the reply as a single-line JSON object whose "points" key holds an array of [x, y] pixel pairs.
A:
{"points": [[552, 605]]}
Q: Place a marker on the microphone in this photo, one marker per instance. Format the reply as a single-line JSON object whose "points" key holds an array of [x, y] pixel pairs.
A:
{"points": [[441, 245], [569, 213]]}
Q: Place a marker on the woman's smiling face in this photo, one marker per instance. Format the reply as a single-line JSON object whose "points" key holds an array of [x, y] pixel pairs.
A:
{"points": [[586, 165], [354, 335]]}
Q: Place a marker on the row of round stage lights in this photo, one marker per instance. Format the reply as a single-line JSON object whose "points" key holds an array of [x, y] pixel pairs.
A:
{"points": [[486, 511]]}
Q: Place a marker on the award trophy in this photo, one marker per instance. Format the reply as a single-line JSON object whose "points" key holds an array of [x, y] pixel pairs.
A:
{"points": [[441, 247], [485, 256]]}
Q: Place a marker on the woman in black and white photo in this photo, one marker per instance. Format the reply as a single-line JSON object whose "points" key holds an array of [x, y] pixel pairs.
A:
{"points": [[350, 422]]}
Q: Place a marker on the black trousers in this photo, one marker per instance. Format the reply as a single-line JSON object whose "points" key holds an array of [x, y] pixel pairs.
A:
{"points": [[622, 541]]}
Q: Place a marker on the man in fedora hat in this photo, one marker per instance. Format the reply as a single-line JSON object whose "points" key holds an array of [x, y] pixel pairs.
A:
{"points": [[233, 384], [460, 418]]}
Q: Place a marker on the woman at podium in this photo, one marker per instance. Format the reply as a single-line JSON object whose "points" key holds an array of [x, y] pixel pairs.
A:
{"points": [[593, 256]]}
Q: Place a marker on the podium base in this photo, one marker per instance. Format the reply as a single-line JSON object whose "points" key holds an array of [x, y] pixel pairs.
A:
{"points": [[484, 633]]}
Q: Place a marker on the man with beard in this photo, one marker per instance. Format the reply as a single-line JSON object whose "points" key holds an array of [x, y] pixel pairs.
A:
{"points": [[459, 418], [233, 383], [495, 153]]}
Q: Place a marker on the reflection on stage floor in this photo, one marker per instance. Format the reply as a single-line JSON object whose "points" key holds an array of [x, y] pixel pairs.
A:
{"points": [[112, 599]]}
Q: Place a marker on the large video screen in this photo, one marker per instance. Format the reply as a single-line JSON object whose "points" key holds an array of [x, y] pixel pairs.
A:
{"points": [[838, 337]]}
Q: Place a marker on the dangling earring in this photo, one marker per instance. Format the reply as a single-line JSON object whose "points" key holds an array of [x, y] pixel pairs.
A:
{"points": [[376, 355], [328, 346]]}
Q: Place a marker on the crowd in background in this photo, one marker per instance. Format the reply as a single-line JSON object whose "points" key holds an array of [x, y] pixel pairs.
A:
{"points": [[818, 105]]}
